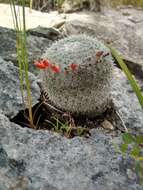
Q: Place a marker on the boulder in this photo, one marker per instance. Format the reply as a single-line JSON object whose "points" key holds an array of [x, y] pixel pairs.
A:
{"points": [[126, 102], [124, 32], [38, 39], [11, 101], [48, 33], [44, 160]]}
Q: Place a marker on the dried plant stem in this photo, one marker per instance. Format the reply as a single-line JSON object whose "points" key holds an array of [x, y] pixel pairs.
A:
{"points": [[31, 3]]}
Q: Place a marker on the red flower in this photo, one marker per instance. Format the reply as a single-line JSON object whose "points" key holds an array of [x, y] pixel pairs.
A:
{"points": [[99, 53], [41, 64], [73, 66], [45, 62], [55, 68]]}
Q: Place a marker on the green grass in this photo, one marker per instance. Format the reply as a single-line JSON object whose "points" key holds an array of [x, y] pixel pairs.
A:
{"points": [[128, 74], [135, 3], [19, 21]]}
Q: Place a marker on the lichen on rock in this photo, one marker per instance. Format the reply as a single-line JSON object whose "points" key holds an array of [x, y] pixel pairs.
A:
{"points": [[85, 90]]}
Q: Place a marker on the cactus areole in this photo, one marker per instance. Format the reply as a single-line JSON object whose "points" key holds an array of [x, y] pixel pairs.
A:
{"points": [[83, 84]]}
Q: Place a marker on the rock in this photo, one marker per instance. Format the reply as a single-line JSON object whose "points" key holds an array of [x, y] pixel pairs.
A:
{"points": [[38, 40], [107, 125], [33, 18], [131, 174], [59, 24], [94, 5], [67, 6], [49, 33], [126, 102], [113, 28], [125, 13], [45, 160], [10, 101]]}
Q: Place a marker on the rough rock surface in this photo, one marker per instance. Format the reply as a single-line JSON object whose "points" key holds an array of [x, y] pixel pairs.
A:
{"points": [[33, 18], [37, 40], [93, 5], [48, 33], [45, 160], [122, 28], [10, 100], [126, 101]]}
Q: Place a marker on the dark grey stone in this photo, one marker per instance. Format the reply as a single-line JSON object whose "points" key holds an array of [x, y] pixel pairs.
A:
{"points": [[38, 40], [46, 160], [49, 33], [114, 28], [3, 158], [56, 163], [10, 99], [126, 102]]}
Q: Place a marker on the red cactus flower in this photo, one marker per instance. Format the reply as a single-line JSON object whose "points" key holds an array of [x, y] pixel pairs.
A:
{"points": [[45, 62], [73, 66], [99, 53], [41, 64], [55, 68]]}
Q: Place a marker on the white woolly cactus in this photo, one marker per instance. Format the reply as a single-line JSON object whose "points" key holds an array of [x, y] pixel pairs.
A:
{"points": [[84, 89]]}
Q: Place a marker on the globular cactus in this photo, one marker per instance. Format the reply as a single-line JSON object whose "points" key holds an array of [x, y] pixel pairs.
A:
{"points": [[84, 89]]}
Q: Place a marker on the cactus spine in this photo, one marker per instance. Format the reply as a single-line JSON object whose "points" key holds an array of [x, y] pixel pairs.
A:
{"points": [[86, 90]]}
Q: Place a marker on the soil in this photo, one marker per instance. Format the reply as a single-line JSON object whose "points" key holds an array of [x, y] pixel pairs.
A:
{"points": [[47, 117]]}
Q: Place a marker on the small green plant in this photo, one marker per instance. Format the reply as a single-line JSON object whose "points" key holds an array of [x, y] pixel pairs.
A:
{"points": [[132, 147], [80, 131], [19, 20], [60, 127]]}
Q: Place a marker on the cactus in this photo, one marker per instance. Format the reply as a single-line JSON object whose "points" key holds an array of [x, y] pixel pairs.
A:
{"points": [[86, 90]]}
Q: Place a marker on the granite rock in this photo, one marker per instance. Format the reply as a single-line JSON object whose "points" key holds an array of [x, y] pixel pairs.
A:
{"points": [[46, 160], [123, 32], [38, 39], [10, 96]]}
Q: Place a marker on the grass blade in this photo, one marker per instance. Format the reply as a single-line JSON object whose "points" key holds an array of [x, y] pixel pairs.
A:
{"points": [[128, 74], [19, 20]]}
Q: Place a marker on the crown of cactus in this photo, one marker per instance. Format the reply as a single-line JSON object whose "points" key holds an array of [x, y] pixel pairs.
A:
{"points": [[84, 86]]}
